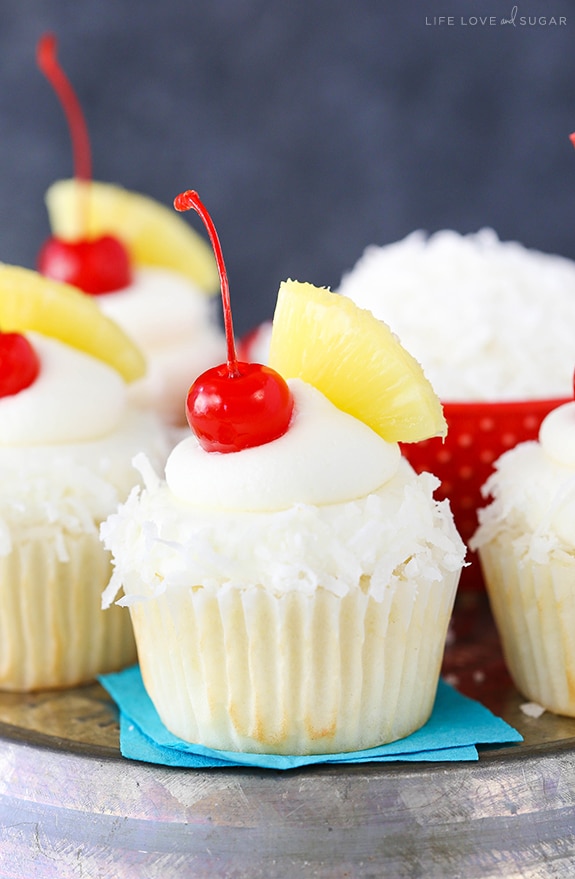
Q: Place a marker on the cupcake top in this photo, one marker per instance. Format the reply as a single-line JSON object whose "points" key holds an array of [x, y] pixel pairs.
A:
{"points": [[332, 503], [158, 293], [66, 444], [67, 430], [488, 320], [533, 490], [293, 479]]}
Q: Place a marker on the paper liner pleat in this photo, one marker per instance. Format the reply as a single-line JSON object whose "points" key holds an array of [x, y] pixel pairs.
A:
{"points": [[533, 606], [244, 669], [53, 632]]}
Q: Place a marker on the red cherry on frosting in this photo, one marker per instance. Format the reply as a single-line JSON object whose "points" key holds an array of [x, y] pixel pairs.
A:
{"points": [[229, 414], [99, 265], [235, 405], [95, 265], [19, 364]]}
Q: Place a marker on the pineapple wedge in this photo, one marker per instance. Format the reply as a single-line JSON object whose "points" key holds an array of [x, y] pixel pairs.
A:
{"points": [[29, 301], [355, 361], [154, 234]]}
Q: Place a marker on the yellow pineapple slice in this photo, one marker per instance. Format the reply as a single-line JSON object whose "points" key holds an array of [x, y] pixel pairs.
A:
{"points": [[29, 301], [355, 361], [154, 234]]}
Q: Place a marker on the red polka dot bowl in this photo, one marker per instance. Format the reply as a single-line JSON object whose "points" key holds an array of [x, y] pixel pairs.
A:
{"points": [[478, 433]]}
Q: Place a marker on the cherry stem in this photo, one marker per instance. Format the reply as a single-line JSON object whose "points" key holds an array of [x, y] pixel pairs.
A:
{"points": [[48, 64], [191, 200]]}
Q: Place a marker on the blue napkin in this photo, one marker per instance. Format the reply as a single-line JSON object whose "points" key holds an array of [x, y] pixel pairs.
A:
{"points": [[457, 724]]}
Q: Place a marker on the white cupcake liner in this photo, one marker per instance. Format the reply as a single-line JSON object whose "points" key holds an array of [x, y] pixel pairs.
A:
{"points": [[247, 670], [533, 606], [53, 632]]}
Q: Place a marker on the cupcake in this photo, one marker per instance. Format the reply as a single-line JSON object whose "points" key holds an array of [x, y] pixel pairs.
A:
{"points": [[148, 269], [67, 438], [291, 579], [526, 544]]}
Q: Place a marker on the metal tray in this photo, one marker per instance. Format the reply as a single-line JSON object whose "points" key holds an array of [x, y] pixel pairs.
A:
{"points": [[71, 806]]}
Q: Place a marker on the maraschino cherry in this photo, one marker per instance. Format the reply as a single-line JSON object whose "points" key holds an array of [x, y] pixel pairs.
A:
{"points": [[235, 405], [95, 265], [19, 364]]}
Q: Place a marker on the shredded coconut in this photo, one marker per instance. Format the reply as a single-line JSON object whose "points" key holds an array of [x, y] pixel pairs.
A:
{"points": [[398, 532], [533, 502], [69, 500], [532, 709], [488, 320], [52, 491]]}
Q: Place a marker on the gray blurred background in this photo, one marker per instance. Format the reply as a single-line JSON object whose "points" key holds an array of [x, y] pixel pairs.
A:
{"points": [[310, 128]]}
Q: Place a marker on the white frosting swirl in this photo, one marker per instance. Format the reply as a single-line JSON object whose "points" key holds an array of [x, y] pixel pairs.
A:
{"points": [[174, 324], [158, 308], [75, 397], [326, 457], [557, 435]]}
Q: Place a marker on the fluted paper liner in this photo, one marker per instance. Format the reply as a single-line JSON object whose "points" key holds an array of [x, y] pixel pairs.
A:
{"points": [[53, 632], [534, 609], [248, 670]]}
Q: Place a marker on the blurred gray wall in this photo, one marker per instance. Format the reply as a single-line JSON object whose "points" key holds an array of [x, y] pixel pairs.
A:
{"points": [[310, 128]]}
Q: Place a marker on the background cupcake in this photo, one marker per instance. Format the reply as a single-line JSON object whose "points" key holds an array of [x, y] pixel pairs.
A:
{"points": [[67, 438], [526, 543]]}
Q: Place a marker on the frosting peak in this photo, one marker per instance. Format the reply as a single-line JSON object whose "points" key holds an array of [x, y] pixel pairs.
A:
{"points": [[326, 457], [557, 435]]}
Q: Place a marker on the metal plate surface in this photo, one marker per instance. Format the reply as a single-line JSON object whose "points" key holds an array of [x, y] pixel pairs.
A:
{"points": [[70, 806]]}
